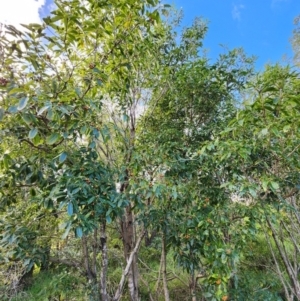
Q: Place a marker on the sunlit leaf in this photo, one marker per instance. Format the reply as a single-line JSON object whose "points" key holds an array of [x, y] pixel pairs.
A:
{"points": [[53, 138], [43, 109]]}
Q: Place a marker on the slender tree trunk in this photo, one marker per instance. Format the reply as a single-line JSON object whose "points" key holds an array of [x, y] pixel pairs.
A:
{"points": [[293, 275], [26, 278], [86, 260], [159, 276], [104, 264], [95, 248], [45, 264], [164, 267], [285, 285], [193, 284], [118, 293], [128, 236]]}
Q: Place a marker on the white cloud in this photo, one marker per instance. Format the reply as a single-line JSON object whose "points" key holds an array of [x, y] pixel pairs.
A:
{"points": [[236, 11], [15, 12]]}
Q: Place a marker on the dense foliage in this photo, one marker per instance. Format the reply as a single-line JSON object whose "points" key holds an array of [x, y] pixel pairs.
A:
{"points": [[132, 168]]}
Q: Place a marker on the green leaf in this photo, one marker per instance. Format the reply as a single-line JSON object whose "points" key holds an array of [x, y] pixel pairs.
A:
{"points": [[108, 219], [77, 91], [79, 232], [264, 184], [15, 90], [96, 70], [1, 114], [27, 118], [43, 109], [64, 110], [12, 109], [22, 103], [274, 185], [74, 191], [37, 140], [252, 191], [66, 233], [52, 138], [264, 132], [90, 200], [63, 157], [286, 128], [269, 89], [33, 132], [70, 208]]}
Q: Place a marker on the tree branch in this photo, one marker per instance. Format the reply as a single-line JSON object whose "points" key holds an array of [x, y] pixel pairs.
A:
{"points": [[125, 273]]}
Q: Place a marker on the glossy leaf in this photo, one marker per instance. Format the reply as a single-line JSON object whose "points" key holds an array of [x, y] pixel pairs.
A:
{"points": [[63, 157], [70, 209], [33, 132], [22, 103]]}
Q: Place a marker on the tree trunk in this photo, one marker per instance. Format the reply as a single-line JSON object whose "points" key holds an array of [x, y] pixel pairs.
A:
{"points": [[26, 278], [104, 264], [95, 248], [292, 274], [164, 266], [88, 271], [118, 293], [286, 286], [128, 237], [45, 263], [86, 260], [193, 285]]}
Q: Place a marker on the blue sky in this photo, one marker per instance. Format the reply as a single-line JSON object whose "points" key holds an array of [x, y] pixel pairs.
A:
{"points": [[262, 27]]}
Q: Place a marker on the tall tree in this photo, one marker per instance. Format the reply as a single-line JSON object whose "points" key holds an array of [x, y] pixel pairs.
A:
{"points": [[184, 197], [262, 143], [59, 83]]}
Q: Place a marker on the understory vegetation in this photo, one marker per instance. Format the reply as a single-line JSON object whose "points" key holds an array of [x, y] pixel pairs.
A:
{"points": [[134, 168]]}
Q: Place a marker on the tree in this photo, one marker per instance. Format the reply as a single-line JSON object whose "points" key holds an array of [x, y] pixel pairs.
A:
{"points": [[262, 144], [184, 201], [58, 82], [295, 41]]}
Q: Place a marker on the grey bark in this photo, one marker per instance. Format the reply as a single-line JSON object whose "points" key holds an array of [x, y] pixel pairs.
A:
{"points": [[119, 291], [104, 263], [164, 267]]}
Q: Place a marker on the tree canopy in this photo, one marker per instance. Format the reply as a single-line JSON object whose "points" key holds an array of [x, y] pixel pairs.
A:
{"points": [[128, 156]]}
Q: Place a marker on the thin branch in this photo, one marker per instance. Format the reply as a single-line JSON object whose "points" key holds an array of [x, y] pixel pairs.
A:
{"points": [[35, 146], [125, 272]]}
